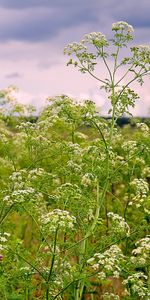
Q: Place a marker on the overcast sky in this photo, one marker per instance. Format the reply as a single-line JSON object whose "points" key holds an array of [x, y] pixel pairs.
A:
{"points": [[33, 34]]}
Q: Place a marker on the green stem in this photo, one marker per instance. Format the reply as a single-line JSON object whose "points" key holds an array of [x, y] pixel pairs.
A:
{"points": [[126, 73], [6, 214], [28, 262], [107, 67], [38, 226], [52, 265], [87, 70], [136, 231], [99, 203], [101, 133], [148, 273]]}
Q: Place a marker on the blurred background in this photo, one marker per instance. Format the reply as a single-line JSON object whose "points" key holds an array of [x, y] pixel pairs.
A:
{"points": [[32, 38]]}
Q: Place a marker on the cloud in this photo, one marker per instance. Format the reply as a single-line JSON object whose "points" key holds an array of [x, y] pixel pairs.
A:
{"points": [[134, 12], [34, 33], [35, 21], [17, 4], [26, 98], [40, 20], [42, 23], [13, 75], [47, 63], [30, 3]]}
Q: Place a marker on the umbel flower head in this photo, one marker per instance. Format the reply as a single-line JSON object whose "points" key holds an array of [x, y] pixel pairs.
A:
{"points": [[74, 47], [58, 219], [95, 38], [122, 33], [118, 224], [108, 263], [121, 25]]}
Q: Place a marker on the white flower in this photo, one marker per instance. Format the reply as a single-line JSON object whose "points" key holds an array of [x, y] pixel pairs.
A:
{"points": [[58, 219], [130, 147], [143, 127], [90, 260], [95, 37], [142, 252], [144, 48], [121, 25], [87, 179], [101, 275], [110, 296], [74, 47], [107, 262], [3, 240], [116, 274], [136, 282], [119, 224]]}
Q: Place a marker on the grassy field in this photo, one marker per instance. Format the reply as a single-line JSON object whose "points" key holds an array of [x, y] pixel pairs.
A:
{"points": [[74, 210]]}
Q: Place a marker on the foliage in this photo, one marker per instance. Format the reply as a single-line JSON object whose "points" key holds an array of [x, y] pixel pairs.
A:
{"points": [[74, 199]]}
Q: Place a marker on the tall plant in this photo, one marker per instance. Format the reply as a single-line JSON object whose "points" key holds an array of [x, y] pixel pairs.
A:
{"points": [[85, 56], [74, 198]]}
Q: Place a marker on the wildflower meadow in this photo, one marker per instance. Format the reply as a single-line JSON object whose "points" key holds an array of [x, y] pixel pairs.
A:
{"points": [[74, 196]]}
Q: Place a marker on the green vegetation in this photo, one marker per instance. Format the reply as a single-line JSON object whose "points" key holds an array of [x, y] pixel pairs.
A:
{"points": [[74, 197]]}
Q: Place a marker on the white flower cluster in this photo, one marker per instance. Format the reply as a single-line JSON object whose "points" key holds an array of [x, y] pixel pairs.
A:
{"points": [[34, 129], [35, 173], [144, 128], [93, 37], [87, 179], [22, 196], [122, 26], [26, 126], [119, 225], [74, 148], [3, 138], [142, 56], [145, 48], [110, 296], [28, 175], [23, 178], [50, 121], [107, 263], [18, 176], [76, 168], [74, 47], [140, 161], [58, 219], [136, 284], [146, 172], [43, 124], [41, 140], [142, 252], [3, 240], [22, 190], [118, 160], [130, 147], [81, 135], [141, 189]]}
